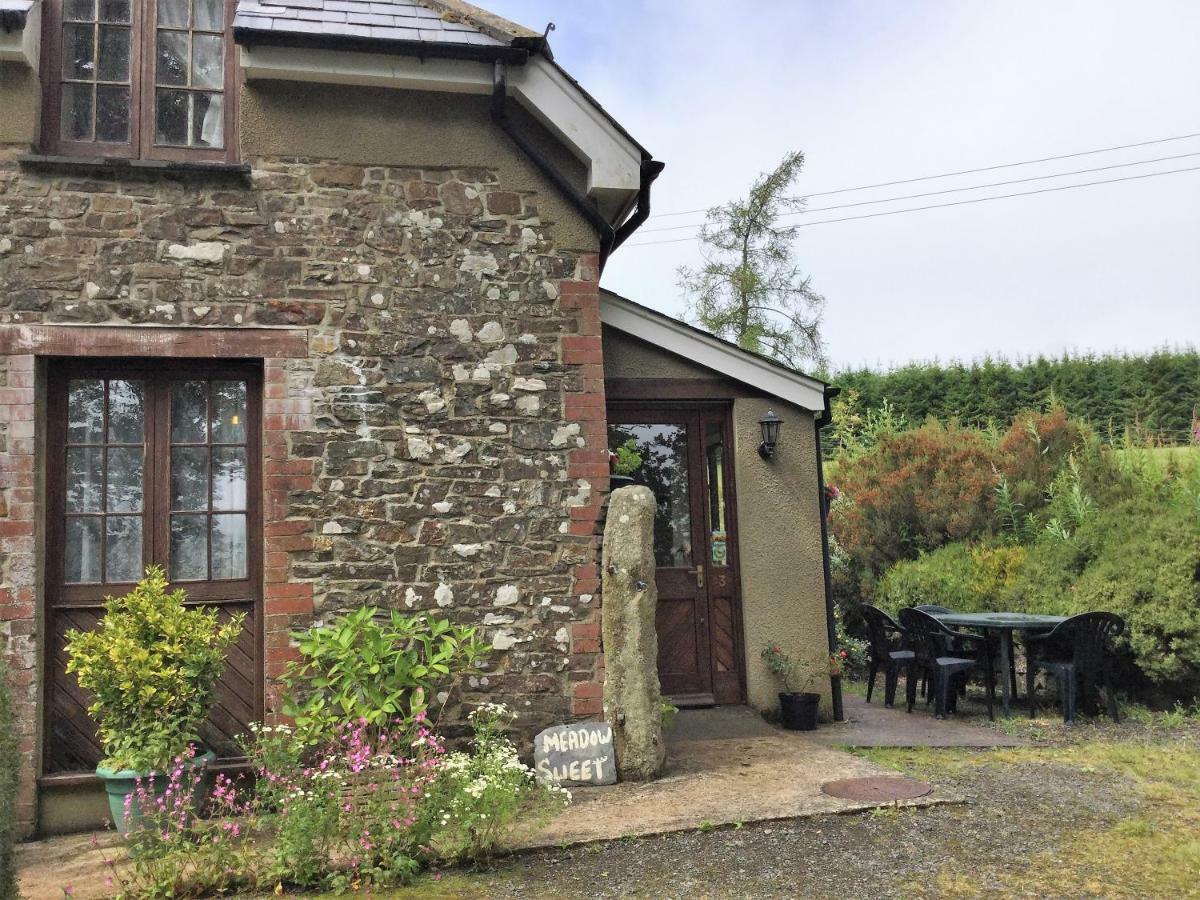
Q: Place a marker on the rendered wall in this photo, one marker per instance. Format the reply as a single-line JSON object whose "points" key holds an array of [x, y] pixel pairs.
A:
{"points": [[779, 526]]}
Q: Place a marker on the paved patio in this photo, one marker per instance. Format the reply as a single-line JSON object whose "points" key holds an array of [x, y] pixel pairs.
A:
{"points": [[725, 765], [871, 725]]}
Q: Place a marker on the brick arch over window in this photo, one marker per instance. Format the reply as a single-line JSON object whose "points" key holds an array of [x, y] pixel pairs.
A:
{"points": [[139, 79]]}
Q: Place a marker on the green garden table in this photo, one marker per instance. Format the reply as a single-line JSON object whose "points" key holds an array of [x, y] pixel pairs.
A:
{"points": [[1003, 624]]}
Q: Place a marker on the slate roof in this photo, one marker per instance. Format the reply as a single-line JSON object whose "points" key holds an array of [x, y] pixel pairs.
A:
{"points": [[430, 22]]}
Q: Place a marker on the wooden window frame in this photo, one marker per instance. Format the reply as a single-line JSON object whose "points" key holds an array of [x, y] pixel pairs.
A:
{"points": [[143, 23]]}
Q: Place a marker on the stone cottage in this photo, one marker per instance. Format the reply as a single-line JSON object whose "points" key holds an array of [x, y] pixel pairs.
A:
{"points": [[301, 301]]}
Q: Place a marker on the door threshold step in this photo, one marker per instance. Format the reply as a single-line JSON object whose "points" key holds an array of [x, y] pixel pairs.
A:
{"points": [[693, 701]]}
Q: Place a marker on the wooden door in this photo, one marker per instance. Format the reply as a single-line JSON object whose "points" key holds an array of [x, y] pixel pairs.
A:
{"points": [[157, 464], [682, 456]]}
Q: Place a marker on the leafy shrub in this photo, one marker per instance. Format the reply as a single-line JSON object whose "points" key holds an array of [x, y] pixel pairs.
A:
{"points": [[971, 579], [374, 667], [10, 762], [151, 666], [914, 492]]}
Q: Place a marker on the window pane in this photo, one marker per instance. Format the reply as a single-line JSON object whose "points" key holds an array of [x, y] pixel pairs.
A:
{"points": [[79, 10], [125, 412], [209, 15], [112, 114], [83, 549], [171, 119], [77, 112], [123, 549], [85, 482], [208, 61], [714, 460], [173, 13], [189, 410], [229, 546], [79, 57], [229, 412], [114, 10], [125, 479], [189, 548], [172, 57], [229, 478], [208, 120], [189, 478], [85, 411], [114, 54]]}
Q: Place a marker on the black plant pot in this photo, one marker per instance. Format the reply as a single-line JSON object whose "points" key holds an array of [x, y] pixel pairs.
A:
{"points": [[619, 481], [799, 711]]}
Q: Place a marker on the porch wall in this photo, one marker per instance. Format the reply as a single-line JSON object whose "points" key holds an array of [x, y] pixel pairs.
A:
{"points": [[778, 515], [440, 443]]}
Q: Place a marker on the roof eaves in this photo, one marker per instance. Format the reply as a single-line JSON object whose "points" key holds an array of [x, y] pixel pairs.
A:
{"points": [[703, 336], [253, 31]]}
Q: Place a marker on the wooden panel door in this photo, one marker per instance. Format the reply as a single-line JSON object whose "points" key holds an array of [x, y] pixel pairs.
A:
{"points": [[157, 464], [666, 443], [682, 453]]}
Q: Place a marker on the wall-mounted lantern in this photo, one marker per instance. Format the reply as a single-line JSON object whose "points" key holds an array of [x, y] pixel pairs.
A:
{"points": [[770, 434]]}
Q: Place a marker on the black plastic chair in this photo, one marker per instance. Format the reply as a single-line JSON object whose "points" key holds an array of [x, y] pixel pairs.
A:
{"points": [[1077, 652], [936, 649], [932, 609], [935, 610], [888, 653]]}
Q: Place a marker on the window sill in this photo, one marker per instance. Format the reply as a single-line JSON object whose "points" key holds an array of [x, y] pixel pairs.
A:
{"points": [[40, 162]]}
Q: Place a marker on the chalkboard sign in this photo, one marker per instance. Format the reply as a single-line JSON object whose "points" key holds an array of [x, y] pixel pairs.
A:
{"points": [[575, 755]]}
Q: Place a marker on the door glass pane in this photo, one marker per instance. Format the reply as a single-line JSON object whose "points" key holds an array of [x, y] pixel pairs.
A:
{"points": [[114, 10], [229, 478], [173, 13], [208, 120], [112, 114], [208, 61], [172, 57], [189, 478], [123, 548], [77, 112], [83, 549], [229, 412], [79, 52], [658, 458], [229, 546], [125, 479], [125, 412], [85, 411], [85, 479], [714, 463], [189, 548], [113, 58], [189, 412]]}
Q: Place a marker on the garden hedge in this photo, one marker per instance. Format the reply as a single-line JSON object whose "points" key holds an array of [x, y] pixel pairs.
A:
{"points": [[9, 763]]}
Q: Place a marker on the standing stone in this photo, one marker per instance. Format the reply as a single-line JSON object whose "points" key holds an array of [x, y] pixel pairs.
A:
{"points": [[632, 695]]}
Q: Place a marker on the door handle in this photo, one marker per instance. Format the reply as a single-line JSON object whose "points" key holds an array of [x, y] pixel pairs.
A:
{"points": [[699, 572]]}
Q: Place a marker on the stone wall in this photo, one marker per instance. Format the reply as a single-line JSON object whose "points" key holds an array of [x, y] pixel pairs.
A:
{"points": [[441, 447]]}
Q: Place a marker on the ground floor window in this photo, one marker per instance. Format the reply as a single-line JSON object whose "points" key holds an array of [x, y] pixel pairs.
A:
{"points": [[151, 463]]}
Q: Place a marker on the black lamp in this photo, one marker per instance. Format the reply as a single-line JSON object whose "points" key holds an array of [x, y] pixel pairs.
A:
{"points": [[770, 434]]}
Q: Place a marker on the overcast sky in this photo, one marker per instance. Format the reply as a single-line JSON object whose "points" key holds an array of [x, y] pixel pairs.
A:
{"points": [[875, 92]]}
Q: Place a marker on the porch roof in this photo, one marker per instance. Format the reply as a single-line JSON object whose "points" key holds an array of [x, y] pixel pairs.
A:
{"points": [[711, 352]]}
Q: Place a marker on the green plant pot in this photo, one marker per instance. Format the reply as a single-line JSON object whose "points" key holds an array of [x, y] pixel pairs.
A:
{"points": [[121, 783]]}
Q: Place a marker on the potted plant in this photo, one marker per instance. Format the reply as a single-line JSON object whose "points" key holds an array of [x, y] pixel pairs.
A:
{"points": [[151, 665], [797, 704], [622, 463]]}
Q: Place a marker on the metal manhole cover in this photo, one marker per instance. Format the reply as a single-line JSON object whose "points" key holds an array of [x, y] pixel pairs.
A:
{"points": [[877, 788]]}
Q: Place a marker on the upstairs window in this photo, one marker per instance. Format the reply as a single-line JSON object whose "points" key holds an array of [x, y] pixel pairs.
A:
{"points": [[139, 79]]}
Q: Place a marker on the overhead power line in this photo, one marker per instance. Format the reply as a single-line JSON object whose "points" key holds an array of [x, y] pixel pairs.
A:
{"points": [[957, 190], [897, 212], [1024, 162]]}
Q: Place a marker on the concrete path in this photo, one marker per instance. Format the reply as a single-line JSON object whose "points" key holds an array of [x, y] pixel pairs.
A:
{"points": [[725, 765], [871, 725]]}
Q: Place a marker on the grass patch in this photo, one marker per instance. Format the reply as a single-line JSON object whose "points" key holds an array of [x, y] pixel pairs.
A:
{"points": [[1153, 852]]}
